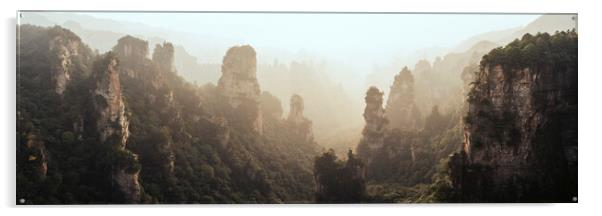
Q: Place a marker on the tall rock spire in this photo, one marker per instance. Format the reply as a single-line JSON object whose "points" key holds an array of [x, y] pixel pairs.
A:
{"points": [[163, 56], [376, 124], [295, 117], [402, 111], [111, 126], [238, 82], [107, 101], [132, 53], [63, 46]]}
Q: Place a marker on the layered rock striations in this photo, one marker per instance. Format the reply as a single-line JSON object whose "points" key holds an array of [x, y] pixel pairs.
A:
{"points": [[520, 133]]}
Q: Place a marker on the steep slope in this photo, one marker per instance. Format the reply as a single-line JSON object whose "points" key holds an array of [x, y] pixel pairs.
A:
{"points": [[520, 133], [129, 129]]}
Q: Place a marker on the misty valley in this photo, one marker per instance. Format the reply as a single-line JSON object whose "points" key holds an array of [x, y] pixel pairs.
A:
{"points": [[105, 116]]}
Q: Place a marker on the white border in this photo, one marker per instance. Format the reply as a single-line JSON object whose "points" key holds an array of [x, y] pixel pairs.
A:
{"points": [[589, 111]]}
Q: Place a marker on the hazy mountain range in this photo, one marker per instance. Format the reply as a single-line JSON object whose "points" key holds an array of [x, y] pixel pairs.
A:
{"points": [[198, 57]]}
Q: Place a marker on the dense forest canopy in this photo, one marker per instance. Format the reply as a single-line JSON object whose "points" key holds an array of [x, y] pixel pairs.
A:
{"points": [[129, 125]]}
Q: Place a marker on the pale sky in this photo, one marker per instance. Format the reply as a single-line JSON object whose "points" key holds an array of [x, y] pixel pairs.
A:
{"points": [[352, 45], [375, 38]]}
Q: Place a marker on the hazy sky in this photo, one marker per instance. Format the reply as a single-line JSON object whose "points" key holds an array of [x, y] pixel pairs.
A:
{"points": [[376, 38], [353, 45]]}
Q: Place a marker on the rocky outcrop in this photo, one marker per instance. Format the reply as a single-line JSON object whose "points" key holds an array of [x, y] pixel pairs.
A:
{"points": [[271, 107], [111, 126], [37, 155], [163, 56], [300, 124], [130, 48], [111, 121], [520, 133], [238, 83], [64, 47], [402, 111], [295, 114], [376, 124], [132, 53]]}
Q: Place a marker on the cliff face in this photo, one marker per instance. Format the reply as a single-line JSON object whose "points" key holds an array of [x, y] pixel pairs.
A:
{"points": [[108, 103], [402, 111], [111, 125], [132, 53], [520, 133], [238, 82], [163, 56], [128, 130], [376, 124], [135, 68], [64, 50], [300, 124], [222, 133], [131, 48]]}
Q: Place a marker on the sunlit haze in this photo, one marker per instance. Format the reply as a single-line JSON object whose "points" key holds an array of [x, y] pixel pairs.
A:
{"points": [[374, 38]]}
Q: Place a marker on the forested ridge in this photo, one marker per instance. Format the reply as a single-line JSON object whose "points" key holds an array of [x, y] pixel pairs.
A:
{"points": [[126, 127], [175, 131]]}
